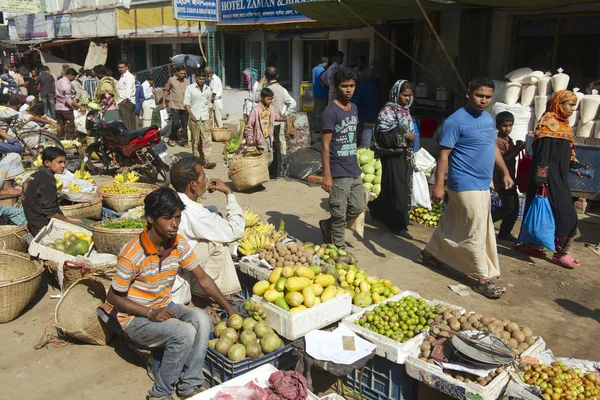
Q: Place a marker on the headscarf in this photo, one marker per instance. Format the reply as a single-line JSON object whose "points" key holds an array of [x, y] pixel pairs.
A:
{"points": [[553, 123], [393, 115], [107, 85]]}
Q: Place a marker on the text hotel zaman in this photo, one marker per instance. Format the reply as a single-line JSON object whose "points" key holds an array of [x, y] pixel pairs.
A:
{"points": [[247, 4]]}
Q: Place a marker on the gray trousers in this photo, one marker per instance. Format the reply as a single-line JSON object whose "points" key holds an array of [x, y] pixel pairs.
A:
{"points": [[346, 201], [320, 105]]}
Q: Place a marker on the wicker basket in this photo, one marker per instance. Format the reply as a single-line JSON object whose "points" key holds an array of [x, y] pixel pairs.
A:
{"points": [[90, 209], [112, 240], [75, 313], [220, 134], [125, 202], [12, 238], [249, 170], [20, 280]]}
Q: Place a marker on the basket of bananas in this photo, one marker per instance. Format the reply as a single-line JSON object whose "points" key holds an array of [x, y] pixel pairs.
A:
{"points": [[121, 197]]}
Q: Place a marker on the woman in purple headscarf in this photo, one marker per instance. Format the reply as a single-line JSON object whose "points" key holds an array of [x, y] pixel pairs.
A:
{"points": [[393, 139]]}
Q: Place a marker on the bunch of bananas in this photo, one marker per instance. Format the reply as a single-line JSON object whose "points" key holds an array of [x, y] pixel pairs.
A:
{"points": [[84, 175], [74, 188], [255, 310], [38, 163], [119, 189], [259, 236], [59, 183], [126, 177], [251, 218]]}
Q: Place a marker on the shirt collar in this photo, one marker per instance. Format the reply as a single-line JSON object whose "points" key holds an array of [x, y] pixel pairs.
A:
{"points": [[149, 247], [46, 170]]}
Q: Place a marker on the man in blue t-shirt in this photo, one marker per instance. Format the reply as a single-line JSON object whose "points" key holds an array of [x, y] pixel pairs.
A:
{"points": [[341, 173], [465, 239], [319, 92]]}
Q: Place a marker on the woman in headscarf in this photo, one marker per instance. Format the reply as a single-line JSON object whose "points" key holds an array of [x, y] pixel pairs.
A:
{"points": [[106, 94], [393, 139], [553, 157]]}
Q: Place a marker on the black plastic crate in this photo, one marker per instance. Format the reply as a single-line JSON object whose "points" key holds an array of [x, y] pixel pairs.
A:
{"points": [[382, 379]]}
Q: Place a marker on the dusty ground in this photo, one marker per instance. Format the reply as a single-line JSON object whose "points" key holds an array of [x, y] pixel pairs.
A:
{"points": [[560, 305]]}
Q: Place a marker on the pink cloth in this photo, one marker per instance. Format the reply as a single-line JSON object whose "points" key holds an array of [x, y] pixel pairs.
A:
{"points": [[253, 131], [287, 385], [64, 95]]}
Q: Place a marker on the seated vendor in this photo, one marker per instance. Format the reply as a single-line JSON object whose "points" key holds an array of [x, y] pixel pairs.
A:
{"points": [[40, 197], [208, 233], [141, 292], [10, 164]]}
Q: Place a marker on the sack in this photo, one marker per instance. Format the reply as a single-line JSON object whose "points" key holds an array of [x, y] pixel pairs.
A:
{"points": [[538, 225], [420, 191], [302, 163], [523, 169], [181, 292], [424, 161]]}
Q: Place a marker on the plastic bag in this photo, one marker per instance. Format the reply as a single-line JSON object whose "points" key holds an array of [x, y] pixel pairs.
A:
{"points": [[420, 191], [250, 391], [538, 225], [302, 163], [424, 161]]}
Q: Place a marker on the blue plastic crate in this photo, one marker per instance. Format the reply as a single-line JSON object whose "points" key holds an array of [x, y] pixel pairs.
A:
{"points": [[107, 213], [218, 369], [382, 379]]}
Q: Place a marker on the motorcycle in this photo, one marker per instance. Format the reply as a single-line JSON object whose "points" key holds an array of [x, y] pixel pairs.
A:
{"points": [[116, 147]]}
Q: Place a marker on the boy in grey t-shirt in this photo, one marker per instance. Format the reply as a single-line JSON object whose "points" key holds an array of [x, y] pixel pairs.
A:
{"points": [[341, 173]]}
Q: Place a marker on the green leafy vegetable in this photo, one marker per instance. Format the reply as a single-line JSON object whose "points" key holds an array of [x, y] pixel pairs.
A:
{"points": [[125, 224]]}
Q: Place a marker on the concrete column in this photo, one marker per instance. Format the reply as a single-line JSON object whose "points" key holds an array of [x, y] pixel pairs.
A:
{"points": [[297, 63], [148, 57]]}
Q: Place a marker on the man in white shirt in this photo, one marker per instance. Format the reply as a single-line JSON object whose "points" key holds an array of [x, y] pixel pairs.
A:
{"points": [[27, 104], [198, 104], [126, 99], [216, 86], [207, 232], [327, 76], [149, 100]]}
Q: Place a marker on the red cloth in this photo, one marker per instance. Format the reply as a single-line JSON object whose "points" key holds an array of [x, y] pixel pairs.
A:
{"points": [[287, 385], [523, 169]]}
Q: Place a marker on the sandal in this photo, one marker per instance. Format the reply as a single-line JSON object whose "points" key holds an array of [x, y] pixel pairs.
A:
{"points": [[566, 261], [404, 234], [325, 230], [430, 261], [485, 290], [527, 250]]}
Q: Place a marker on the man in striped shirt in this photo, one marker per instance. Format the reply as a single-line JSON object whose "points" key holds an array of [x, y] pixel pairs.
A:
{"points": [[141, 292], [90, 81]]}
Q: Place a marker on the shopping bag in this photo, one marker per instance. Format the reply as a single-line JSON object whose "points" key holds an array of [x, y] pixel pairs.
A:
{"points": [[424, 161], [523, 168], [538, 225], [420, 191]]}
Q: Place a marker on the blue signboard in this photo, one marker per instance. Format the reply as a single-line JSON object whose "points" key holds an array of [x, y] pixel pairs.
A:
{"points": [[259, 11], [195, 10]]}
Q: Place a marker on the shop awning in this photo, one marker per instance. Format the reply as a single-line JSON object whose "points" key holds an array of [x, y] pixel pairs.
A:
{"points": [[60, 42], [333, 11], [15, 43]]}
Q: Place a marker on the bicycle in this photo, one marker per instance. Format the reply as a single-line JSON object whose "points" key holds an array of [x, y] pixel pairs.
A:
{"points": [[32, 140]]}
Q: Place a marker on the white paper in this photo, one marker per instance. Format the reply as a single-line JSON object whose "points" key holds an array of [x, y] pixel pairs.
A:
{"points": [[466, 368], [327, 346]]}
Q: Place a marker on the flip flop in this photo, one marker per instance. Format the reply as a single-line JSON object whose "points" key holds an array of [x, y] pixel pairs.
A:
{"points": [[566, 261], [485, 290], [530, 251], [325, 232]]}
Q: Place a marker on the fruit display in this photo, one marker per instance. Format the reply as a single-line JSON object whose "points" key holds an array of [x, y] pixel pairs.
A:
{"points": [[399, 320], [74, 187], [83, 174], [125, 224], [364, 290], [59, 183], [72, 243], [371, 170], [239, 338], [427, 217], [255, 310], [292, 254], [558, 381], [296, 289], [38, 163], [261, 236], [117, 188], [125, 177], [251, 218]]}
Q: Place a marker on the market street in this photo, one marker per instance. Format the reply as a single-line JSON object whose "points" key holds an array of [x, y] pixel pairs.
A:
{"points": [[562, 306]]}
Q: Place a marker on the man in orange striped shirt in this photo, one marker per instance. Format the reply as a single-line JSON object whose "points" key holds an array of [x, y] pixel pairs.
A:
{"points": [[141, 292]]}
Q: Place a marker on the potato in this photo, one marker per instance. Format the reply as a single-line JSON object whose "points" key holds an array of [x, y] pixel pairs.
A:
{"points": [[462, 319], [456, 313], [513, 343], [522, 347], [520, 336], [529, 340], [279, 263], [426, 353], [511, 327], [485, 321], [302, 259], [505, 335], [527, 331], [425, 346]]}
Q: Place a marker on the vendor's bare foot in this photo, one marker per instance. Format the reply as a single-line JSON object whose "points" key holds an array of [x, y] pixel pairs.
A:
{"points": [[10, 191]]}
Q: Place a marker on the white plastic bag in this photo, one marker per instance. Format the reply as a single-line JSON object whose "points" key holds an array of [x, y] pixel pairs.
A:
{"points": [[424, 161], [420, 191], [181, 292]]}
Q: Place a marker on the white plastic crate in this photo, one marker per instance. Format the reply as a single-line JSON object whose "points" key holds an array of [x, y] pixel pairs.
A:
{"points": [[434, 376], [386, 347], [293, 326], [54, 230]]}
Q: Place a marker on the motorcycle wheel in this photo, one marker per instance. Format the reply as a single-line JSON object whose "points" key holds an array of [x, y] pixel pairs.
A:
{"points": [[156, 175]]}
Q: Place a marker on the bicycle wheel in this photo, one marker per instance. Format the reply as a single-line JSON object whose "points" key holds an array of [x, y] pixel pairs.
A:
{"points": [[34, 141]]}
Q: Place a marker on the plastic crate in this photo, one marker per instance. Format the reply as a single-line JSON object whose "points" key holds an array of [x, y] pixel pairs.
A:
{"points": [[107, 213], [382, 379], [246, 282], [218, 369]]}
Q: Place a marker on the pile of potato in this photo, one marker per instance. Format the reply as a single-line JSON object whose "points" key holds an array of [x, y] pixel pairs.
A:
{"points": [[292, 254]]}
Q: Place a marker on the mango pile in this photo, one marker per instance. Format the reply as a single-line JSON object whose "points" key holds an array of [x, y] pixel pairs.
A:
{"points": [[117, 188], [364, 290], [427, 217], [72, 243]]}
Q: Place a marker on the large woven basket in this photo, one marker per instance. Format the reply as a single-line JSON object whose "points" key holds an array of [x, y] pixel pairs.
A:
{"points": [[75, 313], [125, 202], [89, 209], [249, 170], [20, 280], [112, 240], [220, 134], [12, 238]]}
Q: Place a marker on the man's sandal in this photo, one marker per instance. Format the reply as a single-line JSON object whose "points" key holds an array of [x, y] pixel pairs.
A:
{"points": [[484, 289], [430, 261]]}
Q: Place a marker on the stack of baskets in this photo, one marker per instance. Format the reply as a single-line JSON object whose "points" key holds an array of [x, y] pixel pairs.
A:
{"points": [[89, 209], [12, 238], [111, 240], [124, 202], [249, 170], [20, 280], [220, 134]]}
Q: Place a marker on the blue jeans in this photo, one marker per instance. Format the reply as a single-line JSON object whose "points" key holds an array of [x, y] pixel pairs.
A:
{"points": [[49, 103], [185, 340]]}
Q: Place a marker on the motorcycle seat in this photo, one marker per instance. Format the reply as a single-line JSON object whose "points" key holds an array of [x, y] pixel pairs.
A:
{"points": [[125, 136]]}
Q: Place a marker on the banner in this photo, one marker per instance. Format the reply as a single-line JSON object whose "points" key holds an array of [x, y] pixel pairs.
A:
{"points": [[21, 6], [62, 25], [195, 10], [31, 26], [259, 11]]}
